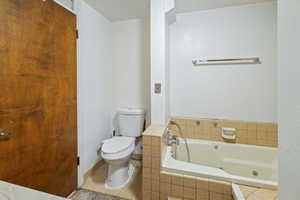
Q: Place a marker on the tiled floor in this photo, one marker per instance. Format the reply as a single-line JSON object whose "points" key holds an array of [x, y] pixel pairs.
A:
{"points": [[95, 181], [252, 193], [90, 195]]}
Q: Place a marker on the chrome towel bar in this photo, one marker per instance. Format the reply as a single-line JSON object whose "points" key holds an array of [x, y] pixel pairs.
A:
{"points": [[255, 60]]}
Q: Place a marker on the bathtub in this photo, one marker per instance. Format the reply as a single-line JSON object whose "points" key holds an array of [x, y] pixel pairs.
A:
{"points": [[237, 163], [14, 192]]}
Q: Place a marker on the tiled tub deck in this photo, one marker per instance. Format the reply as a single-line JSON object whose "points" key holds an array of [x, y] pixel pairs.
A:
{"points": [[158, 184]]}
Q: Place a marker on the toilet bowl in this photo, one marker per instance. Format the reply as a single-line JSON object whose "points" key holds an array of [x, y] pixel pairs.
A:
{"points": [[116, 152]]}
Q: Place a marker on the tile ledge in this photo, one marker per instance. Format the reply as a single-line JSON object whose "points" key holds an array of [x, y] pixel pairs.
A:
{"points": [[155, 130]]}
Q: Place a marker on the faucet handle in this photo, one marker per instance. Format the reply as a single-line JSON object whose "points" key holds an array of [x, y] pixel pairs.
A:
{"points": [[175, 140], [168, 131]]}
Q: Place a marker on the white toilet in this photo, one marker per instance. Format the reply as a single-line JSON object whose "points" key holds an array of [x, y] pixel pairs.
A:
{"points": [[117, 150]]}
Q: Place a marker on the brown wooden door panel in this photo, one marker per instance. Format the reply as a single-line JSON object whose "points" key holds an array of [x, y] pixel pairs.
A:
{"points": [[52, 39], [39, 90], [38, 95]]}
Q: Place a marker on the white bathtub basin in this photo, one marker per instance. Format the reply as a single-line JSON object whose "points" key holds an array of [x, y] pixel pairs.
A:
{"points": [[14, 192], [237, 163]]}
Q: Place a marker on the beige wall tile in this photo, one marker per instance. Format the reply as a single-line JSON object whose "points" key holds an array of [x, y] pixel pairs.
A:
{"points": [[154, 196], [155, 185], [189, 181], [177, 180], [146, 140], [215, 196], [273, 143], [198, 131], [156, 151], [202, 134], [202, 194], [242, 137], [146, 172], [189, 193], [206, 130], [165, 188], [270, 126], [262, 127], [165, 178], [177, 191], [191, 122], [163, 196], [228, 197], [147, 195], [216, 186], [227, 124], [147, 161], [252, 134], [155, 173], [252, 141], [155, 130], [271, 135], [262, 135], [227, 188], [146, 184], [155, 162], [263, 194], [240, 125], [202, 183], [215, 134], [252, 126], [261, 142], [156, 141], [147, 151], [181, 121]]}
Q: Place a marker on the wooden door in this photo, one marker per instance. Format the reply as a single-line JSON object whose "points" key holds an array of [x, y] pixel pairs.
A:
{"points": [[38, 95]]}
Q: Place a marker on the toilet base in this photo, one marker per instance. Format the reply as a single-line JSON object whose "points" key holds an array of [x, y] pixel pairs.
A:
{"points": [[119, 175]]}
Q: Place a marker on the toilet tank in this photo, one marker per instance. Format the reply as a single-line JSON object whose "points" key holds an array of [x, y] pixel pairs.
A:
{"points": [[131, 122]]}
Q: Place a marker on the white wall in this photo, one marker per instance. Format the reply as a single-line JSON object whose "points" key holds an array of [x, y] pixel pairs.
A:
{"points": [[131, 64], [289, 99], [159, 59], [94, 83], [240, 92]]}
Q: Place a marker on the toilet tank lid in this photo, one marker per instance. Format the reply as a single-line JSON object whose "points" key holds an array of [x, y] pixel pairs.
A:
{"points": [[131, 111]]}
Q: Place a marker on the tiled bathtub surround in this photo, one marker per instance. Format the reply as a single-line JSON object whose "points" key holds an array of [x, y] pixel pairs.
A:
{"points": [[159, 185], [95, 181], [254, 133]]}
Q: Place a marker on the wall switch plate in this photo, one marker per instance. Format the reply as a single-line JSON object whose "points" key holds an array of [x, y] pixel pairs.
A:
{"points": [[157, 88]]}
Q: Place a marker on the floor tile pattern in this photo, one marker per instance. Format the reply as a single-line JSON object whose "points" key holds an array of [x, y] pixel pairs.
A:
{"points": [[95, 181], [90, 195], [252, 193]]}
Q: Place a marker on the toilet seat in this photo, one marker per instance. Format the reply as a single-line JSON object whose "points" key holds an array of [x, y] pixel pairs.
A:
{"points": [[118, 147]]}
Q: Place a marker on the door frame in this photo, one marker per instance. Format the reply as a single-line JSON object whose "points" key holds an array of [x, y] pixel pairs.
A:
{"points": [[80, 135], [80, 112], [69, 9]]}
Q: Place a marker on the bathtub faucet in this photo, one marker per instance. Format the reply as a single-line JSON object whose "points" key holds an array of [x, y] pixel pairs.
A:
{"points": [[170, 139], [173, 122]]}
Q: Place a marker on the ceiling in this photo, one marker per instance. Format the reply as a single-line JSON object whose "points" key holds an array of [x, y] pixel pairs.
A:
{"points": [[116, 10]]}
